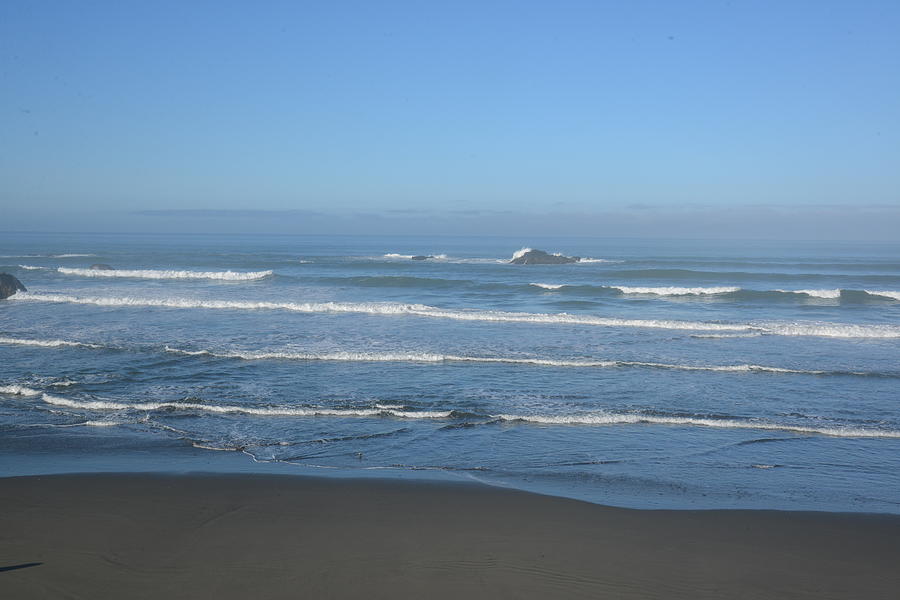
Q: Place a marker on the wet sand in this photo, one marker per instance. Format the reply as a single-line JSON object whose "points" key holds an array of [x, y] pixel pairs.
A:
{"points": [[248, 536]]}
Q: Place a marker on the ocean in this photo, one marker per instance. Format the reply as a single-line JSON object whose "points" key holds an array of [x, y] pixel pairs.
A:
{"points": [[650, 374]]}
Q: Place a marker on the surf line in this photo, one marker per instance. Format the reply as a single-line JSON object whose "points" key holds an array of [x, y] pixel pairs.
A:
{"points": [[422, 310]]}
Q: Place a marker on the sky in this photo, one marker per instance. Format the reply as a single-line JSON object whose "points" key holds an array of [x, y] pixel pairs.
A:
{"points": [[660, 119]]}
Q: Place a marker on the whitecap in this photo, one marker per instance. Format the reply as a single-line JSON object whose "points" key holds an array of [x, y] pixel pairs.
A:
{"points": [[824, 294], [676, 291], [884, 293], [18, 390], [549, 286]]}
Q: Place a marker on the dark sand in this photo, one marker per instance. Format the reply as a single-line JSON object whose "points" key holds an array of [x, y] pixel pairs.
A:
{"points": [[239, 536]]}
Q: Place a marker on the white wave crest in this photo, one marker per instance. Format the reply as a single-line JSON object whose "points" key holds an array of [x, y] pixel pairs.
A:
{"points": [[549, 286], [272, 411], [676, 291], [439, 358], [101, 423], [389, 411], [835, 330], [70, 255], [385, 308], [421, 310], [884, 293], [409, 256], [598, 260], [824, 294], [726, 335], [154, 274], [33, 268], [520, 253], [18, 390], [44, 343], [629, 419]]}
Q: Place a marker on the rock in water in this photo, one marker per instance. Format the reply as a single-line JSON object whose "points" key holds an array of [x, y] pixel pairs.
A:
{"points": [[9, 285], [527, 256], [421, 257], [102, 267]]}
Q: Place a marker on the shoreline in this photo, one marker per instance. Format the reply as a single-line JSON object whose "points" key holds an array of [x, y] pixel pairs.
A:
{"points": [[220, 535]]}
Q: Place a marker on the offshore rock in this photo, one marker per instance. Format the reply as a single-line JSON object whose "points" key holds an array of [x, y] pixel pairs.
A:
{"points": [[9, 285], [420, 257], [527, 256]]}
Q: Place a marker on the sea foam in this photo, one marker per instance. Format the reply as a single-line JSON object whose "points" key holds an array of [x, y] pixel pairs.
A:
{"points": [[155, 274]]}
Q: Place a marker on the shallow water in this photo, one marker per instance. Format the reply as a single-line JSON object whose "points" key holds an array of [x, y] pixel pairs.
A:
{"points": [[670, 374]]}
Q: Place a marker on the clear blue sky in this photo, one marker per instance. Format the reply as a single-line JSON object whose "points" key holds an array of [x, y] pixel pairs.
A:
{"points": [[567, 115]]}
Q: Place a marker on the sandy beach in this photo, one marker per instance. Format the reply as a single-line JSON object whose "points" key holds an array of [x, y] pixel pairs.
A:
{"points": [[249, 536]]}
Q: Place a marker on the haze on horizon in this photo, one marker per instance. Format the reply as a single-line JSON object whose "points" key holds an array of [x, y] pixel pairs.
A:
{"points": [[695, 119]]}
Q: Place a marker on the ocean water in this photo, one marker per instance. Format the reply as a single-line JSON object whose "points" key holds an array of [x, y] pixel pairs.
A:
{"points": [[650, 374]]}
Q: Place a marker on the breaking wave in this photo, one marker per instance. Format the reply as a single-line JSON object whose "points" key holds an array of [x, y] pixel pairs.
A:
{"points": [[675, 291], [18, 390], [425, 357], [409, 256], [549, 286], [884, 293], [605, 418], [44, 343], [270, 411], [154, 274], [422, 310], [825, 294], [378, 410]]}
